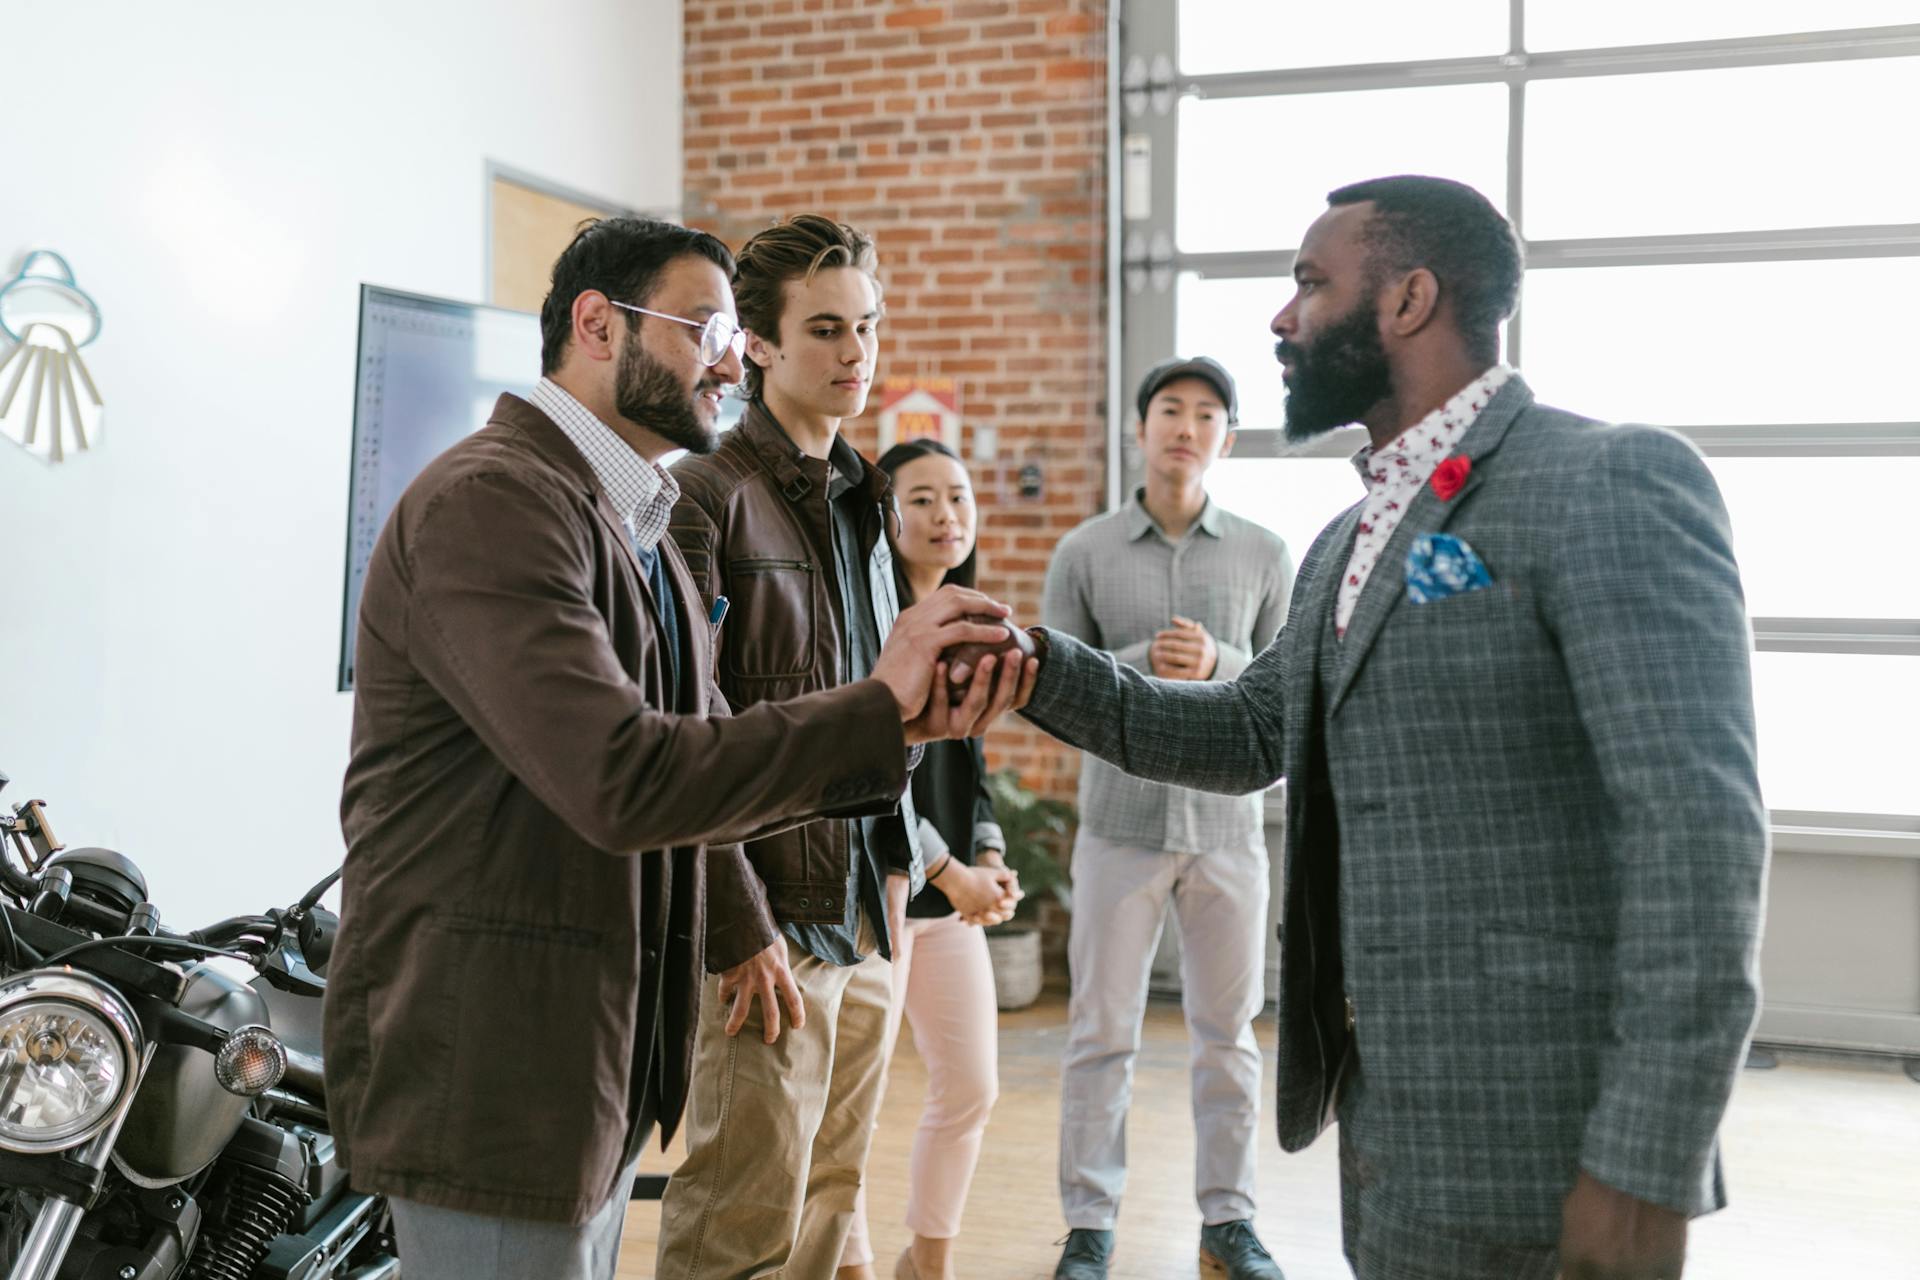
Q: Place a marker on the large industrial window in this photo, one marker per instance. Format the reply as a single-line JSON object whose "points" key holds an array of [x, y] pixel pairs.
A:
{"points": [[1722, 218]]}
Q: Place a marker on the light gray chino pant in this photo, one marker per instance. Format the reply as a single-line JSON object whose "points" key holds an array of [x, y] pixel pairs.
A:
{"points": [[1121, 895], [447, 1244]]}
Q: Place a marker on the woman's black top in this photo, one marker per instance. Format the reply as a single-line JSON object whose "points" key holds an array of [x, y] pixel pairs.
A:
{"points": [[950, 792]]}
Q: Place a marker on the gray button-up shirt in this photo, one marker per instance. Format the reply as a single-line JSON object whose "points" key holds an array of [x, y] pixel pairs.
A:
{"points": [[1117, 580]]}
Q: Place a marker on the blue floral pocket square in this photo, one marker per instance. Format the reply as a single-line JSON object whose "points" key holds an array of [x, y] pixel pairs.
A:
{"points": [[1440, 565]]}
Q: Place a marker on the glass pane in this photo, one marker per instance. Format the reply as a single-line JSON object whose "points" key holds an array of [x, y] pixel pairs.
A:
{"points": [[1834, 728], [1254, 172], [1818, 537], [1836, 731], [1726, 342], [1234, 35], [1294, 497], [1557, 24], [1228, 319], [1739, 150]]}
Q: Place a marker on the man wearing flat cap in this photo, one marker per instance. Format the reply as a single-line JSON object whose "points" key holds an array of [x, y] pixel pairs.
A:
{"points": [[1174, 586]]}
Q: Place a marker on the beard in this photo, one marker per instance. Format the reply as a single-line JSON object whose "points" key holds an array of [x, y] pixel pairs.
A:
{"points": [[1338, 378], [647, 392]]}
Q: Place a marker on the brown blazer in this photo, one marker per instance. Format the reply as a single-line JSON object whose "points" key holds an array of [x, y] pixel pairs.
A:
{"points": [[504, 947]]}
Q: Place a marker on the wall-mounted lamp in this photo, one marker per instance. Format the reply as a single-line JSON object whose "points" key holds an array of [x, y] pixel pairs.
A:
{"points": [[49, 404]]}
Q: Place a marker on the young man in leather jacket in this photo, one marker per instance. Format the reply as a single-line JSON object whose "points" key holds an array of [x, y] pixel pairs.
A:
{"points": [[786, 523]]}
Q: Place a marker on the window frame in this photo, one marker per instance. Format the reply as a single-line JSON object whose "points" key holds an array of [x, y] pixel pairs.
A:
{"points": [[1147, 261]]}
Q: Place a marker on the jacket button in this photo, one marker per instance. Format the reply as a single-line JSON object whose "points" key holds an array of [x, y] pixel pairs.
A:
{"points": [[801, 903], [827, 903]]}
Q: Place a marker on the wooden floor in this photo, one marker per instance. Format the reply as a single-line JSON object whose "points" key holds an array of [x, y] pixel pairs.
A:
{"points": [[1823, 1170]]}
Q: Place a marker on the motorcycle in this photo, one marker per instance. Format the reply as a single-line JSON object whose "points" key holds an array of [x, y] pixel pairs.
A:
{"points": [[159, 1117]]}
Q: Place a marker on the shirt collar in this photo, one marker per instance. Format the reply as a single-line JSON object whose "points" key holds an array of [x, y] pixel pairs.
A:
{"points": [[845, 468], [1451, 420], [642, 492], [1139, 520]]}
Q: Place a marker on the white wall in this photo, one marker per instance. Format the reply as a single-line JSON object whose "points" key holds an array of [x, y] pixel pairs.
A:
{"points": [[222, 177]]}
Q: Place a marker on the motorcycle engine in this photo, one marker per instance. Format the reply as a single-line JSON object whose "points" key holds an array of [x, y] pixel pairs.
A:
{"points": [[259, 1184]]}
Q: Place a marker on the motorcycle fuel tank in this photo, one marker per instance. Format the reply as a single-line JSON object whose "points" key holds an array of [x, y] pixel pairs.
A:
{"points": [[181, 1118]]}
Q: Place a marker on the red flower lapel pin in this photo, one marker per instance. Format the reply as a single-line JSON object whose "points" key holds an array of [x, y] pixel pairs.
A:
{"points": [[1450, 475]]}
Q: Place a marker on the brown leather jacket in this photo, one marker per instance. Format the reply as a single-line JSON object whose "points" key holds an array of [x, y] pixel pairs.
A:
{"points": [[753, 529], [524, 897]]}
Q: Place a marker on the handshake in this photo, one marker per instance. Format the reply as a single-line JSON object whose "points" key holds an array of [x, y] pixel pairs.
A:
{"points": [[955, 665]]}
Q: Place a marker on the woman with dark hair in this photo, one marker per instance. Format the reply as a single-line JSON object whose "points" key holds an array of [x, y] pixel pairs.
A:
{"points": [[942, 980]]}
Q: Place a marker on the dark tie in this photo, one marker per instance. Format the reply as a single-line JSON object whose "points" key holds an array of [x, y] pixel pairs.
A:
{"points": [[654, 565]]}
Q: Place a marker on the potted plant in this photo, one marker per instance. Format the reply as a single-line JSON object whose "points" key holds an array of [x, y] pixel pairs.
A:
{"points": [[1037, 832]]}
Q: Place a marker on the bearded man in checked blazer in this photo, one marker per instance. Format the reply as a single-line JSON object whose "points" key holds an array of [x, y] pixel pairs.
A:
{"points": [[1525, 844]]}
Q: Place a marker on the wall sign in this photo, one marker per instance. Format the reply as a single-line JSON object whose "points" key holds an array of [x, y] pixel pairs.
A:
{"points": [[914, 407]]}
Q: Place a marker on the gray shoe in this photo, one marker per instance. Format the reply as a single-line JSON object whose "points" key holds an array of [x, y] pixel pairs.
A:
{"points": [[1232, 1250], [1086, 1255]]}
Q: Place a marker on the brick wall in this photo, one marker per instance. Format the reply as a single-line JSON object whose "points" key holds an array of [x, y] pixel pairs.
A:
{"points": [[970, 139]]}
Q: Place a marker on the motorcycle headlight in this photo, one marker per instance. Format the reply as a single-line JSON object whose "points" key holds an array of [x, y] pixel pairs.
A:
{"points": [[69, 1051]]}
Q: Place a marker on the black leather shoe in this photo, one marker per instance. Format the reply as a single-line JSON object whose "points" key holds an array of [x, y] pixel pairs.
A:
{"points": [[1086, 1255], [1232, 1250]]}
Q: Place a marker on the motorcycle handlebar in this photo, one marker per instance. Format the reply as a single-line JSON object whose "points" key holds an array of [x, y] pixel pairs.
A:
{"points": [[92, 914]]}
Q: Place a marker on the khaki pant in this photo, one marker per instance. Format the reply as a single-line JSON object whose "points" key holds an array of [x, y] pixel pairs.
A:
{"points": [[777, 1134]]}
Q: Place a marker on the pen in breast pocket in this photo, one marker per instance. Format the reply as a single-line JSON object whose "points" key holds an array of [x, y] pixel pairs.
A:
{"points": [[718, 613]]}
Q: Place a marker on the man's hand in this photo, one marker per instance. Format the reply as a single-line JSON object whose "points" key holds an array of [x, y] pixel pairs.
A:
{"points": [[989, 696], [1184, 651], [760, 977], [921, 634], [1609, 1235]]}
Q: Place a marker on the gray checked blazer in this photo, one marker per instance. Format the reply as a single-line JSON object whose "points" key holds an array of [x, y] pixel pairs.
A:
{"points": [[1524, 830]]}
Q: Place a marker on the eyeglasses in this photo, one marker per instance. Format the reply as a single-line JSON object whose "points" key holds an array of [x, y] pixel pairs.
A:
{"points": [[718, 335]]}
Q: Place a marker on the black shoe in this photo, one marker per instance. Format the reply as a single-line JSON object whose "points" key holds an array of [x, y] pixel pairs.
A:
{"points": [[1086, 1254], [1232, 1250]]}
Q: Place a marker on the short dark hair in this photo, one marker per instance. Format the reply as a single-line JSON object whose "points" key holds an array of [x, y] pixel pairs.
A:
{"points": [[1454, 232], [622, 258], [792, 250]]}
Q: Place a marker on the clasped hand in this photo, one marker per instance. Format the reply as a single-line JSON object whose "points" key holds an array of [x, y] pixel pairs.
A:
{"points": [[985, 893], [1184, 651], [913, 665]]}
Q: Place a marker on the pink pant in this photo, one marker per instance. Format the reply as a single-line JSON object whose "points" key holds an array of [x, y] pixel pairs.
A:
{"points": [[943, 982]]}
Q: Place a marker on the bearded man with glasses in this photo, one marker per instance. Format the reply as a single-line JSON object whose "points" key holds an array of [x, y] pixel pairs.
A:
{"points": [[540, 756]]}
